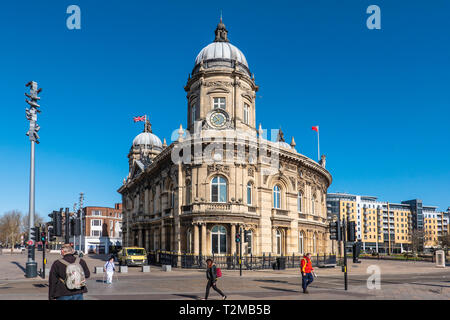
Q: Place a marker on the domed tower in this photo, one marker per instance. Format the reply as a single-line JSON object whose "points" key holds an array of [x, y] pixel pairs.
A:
{"points": [[146, 146], [221, 90]]}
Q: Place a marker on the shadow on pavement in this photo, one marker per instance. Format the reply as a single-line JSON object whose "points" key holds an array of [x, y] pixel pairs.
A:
{"points": [[277, 281], [188, 296], [19, 265], [280, 289]]}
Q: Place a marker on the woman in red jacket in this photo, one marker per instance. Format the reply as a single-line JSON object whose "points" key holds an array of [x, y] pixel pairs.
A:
{"points": [[306, 268]]}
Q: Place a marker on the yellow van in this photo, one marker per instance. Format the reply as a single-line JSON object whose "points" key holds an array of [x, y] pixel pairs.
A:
{"points": [[132, 256]]}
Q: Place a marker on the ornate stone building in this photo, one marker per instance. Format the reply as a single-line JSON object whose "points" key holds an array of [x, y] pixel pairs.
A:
{"points": [[229, 176]]}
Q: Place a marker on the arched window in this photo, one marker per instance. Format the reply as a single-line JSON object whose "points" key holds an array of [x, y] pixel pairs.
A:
{"points": [[194, 113], [276, 197], [189, 242], [313, 200], [314, 243], [249, 194], [172, 198], [246, 113], [250, 241], [218, 189], [300, 242], [188, 192], [279, 242], [219, 240], [299, 201]]}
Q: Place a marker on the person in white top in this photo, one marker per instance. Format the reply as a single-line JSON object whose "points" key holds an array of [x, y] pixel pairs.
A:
{"points": [[109, 269]]}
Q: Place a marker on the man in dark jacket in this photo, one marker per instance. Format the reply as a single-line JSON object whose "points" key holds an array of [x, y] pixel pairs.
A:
{"points": [[56, 287]]}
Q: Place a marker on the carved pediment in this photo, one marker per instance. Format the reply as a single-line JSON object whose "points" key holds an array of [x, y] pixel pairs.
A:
{"points": [[218, 90], [218, 168]]}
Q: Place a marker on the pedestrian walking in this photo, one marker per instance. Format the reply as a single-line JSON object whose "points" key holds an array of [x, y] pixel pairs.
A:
{"points": [[67, 279], [109, 268], [307, 272], [212, 273]]}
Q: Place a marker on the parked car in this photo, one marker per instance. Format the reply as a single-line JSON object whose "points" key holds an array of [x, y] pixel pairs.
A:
{"points": [[132, 256]]}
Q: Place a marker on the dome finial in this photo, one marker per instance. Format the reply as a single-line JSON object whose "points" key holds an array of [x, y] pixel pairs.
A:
{"points": [[147, 126], [221, 32]]}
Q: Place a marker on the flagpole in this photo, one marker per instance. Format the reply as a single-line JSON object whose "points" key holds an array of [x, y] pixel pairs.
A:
{"points": [[318, 143]]}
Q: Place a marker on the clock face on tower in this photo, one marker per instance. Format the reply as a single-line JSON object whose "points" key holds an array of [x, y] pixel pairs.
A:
{"points": [[218, 119]]}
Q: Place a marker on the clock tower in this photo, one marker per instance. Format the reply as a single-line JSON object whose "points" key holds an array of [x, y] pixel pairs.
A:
{"points": [[221, 90]]}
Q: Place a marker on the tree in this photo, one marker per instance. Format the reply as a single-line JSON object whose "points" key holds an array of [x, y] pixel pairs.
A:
{"points": [[10, 227], [444, 241], [417, 240]]}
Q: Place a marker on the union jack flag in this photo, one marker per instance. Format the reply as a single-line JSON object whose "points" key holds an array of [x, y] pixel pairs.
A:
{"points": [[141, 118]]}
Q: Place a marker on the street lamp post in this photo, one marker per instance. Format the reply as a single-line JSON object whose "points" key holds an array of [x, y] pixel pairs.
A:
{"points": [[31, 114], [378, 228]]}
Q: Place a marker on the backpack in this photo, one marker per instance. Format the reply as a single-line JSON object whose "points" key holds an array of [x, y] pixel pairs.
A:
{"points": [[75, 278], [218, 272]]}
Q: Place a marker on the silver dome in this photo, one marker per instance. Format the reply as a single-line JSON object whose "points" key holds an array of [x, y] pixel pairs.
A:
{"points": [[221, 50], [147, 139]]}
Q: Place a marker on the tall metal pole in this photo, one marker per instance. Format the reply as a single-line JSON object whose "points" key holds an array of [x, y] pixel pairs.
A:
{"points": [[81, 217], [344, 237], [240, 251], [31, 265], [31, 114]]}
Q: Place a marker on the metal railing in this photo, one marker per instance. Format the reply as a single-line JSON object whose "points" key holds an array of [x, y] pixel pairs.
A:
{"points": [[231, 262]]}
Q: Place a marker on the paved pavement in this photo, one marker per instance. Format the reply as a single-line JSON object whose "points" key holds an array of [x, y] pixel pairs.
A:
{"points": [[399, 280]]}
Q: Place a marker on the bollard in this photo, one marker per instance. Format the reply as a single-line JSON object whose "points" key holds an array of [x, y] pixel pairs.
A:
{"points": [[98, 269], [123, 269], [440, 259], [145, 268], [167, 268]]}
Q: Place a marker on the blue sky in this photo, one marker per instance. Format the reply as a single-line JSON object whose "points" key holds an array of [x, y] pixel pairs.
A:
{"points": [[380, 97]]}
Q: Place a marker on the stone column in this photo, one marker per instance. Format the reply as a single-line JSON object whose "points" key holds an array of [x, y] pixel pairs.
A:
{"points": [[163, 236], [232, 240], [147, 239], [140, 238], [196, 240], [203, 239], [289, 245]]}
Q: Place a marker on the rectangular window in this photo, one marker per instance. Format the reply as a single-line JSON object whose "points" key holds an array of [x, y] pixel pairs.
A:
{"points": [[96, 233], [219, 103], [96, 223], [96, 212]]}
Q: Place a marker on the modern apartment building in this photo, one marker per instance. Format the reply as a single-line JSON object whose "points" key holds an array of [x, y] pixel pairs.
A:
{"points": [[389, 227]]}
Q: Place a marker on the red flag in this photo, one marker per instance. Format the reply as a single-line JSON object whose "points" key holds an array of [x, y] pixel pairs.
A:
{"points": [[316, 128], [136, 119]]}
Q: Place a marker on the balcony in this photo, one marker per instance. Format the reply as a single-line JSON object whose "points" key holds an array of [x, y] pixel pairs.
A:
{"points": [[280, 212], [252, 209], [218, 207]]}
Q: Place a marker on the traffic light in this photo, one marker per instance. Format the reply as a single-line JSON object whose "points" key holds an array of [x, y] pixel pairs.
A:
{"points": [[335, 231], [43, 237], [246, 236], [51, 236], [34, 234], [351, 231], [77, 225], [56, 223], [57, 228], [238, 237]]}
